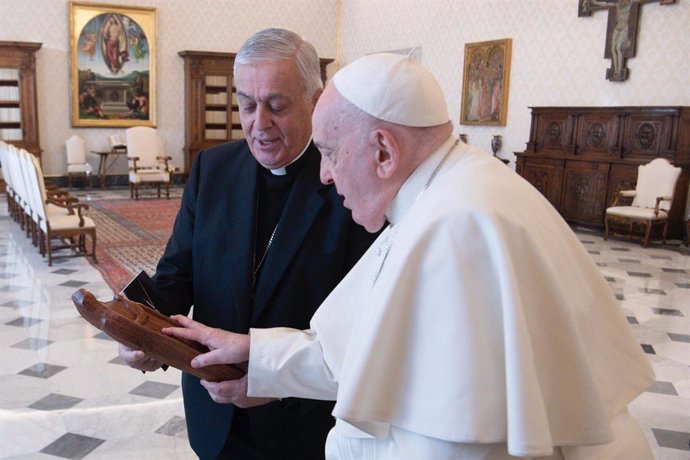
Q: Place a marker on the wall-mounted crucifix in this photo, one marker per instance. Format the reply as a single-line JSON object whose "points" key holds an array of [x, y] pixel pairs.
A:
{"points": [[621, 32]]}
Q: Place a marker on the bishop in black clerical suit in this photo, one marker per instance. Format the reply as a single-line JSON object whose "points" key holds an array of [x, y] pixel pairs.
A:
{"points": [[292, 240]]}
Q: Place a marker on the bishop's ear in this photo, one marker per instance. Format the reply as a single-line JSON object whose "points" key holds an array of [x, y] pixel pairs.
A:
{"points": [[387, 153]]}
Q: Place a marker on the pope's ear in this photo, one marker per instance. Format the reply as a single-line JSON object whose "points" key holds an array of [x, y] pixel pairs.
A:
{"points": [[387, 153]]}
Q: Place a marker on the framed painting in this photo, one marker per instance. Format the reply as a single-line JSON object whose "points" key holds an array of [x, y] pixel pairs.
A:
{"points": [[113, 65], [486, 77]]}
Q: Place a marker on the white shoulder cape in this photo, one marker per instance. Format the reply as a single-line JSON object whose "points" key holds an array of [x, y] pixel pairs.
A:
{"points": [[489, 322]]}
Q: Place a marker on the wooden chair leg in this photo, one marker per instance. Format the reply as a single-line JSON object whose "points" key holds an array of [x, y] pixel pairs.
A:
{"points": [[647, 233], [50, 254], [663, 235], [606, 228], [93, 246]]}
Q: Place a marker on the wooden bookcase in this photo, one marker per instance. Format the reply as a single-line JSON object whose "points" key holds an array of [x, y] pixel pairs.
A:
{"points": [[211, 111], [580, 157], [18, 100], [211, 114]]}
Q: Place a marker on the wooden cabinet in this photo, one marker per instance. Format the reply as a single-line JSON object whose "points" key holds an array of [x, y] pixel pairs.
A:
{"points": [[211, 112], [18, 101], [580, 157]]}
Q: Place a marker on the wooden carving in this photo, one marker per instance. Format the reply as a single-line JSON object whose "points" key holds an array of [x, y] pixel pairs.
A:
{"points": [[621, 32], [139, 327]]}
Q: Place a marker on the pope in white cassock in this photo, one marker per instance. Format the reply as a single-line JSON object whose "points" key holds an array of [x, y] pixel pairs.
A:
{"points": [[475, 327]]}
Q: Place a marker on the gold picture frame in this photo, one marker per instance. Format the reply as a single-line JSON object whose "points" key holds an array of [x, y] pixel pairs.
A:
{"points": [[486, 78], [113, 65]]}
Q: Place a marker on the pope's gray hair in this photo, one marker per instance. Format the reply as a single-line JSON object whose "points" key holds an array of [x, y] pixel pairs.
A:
{"points": [[275, 44]]}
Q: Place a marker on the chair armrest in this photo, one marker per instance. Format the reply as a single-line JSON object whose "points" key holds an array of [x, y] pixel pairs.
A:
{"points": [[659, 199], [79, 207], [133, 160], [63, 202], [164, 159], [623, 194]]}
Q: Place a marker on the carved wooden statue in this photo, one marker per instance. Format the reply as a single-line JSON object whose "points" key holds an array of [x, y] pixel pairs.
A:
{"points": [[621, 32], [139, 327]]}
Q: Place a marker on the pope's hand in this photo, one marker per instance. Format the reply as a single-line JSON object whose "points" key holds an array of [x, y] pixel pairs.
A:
{"points": [[225, 348], [137, 359]]}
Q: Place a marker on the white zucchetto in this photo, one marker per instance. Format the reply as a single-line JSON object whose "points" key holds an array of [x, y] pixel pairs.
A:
{"points": [[393, 88]]}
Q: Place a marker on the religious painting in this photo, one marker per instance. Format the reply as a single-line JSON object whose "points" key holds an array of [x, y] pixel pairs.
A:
{"points": [[486, 77], [113, 65]]}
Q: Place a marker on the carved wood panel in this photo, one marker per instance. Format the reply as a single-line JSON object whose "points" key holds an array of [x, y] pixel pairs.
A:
{"points": [[647, 135], [597, 134], [621, 177], [554, 131], [584, 191], [546, 176]]}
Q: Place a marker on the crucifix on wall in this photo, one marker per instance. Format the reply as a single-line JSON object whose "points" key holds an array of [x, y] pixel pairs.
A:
{"points": [[621, 32]]}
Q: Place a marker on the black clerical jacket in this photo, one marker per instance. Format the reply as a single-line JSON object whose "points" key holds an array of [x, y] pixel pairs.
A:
{"points": [[208, 264]]}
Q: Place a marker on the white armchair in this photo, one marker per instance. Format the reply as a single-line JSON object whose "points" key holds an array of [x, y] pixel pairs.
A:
{"points": [[651, 199], [147, 161], [77, 166]]}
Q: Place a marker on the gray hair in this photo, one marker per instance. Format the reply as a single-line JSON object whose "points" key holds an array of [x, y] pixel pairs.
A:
{"points": [[280, 44]]}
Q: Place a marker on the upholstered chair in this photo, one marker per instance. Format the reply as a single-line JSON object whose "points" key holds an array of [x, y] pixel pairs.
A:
{"points": [[77, 166], [651, 200], [148, 164]]}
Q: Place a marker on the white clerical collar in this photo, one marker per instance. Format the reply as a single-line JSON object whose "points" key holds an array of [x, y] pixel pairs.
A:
{"points": [[417, 181], [283, 169]]}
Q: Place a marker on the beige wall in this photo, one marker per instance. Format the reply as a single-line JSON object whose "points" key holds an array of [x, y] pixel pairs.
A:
{"points": [[209, 25], [557, 57]]}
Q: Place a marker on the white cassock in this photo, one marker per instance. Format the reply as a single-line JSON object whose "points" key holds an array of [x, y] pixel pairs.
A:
{"points": [[476, 326]]}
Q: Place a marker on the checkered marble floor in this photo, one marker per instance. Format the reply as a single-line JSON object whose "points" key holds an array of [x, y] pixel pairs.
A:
{"points": [[65, 394]]}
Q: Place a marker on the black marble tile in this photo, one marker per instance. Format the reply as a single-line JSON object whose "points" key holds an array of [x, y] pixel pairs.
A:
{"points": [[640, 274], [679, 337], [632, 320], [32, 343], [602, 264], [683, 285], [64, 271], [620, 297], [176, 426], [659, 257], [102, 336], [55, 401], [673, 270], [629, 261], [73, 446], [118, 360], [620, 249], [672, 439], [42, 370], [610, 279], [665, 388], [154, 389], [13, 288], [24, 322], [594, 253], [16, 303], [652, 291], [648, 349], [667, 311], [73, 283]]}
